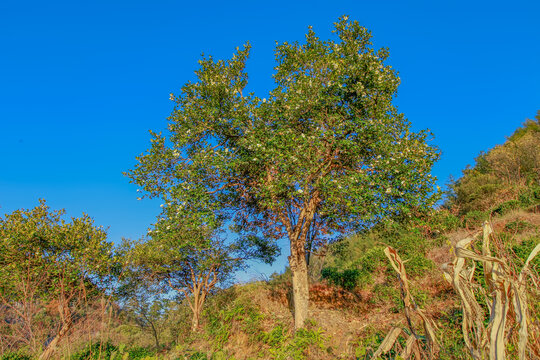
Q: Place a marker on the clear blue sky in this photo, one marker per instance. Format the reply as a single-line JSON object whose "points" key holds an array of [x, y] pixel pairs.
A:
{"points": [[81, 83]]}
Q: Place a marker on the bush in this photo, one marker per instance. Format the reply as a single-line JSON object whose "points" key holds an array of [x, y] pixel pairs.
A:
{"points": [[347, 279], [506, 207], [198, 356], [443, 221], [139, 353], [368, 343], [517, 226], [297, 347], [353, 261], [418, 265], [387, 293], [109, 351], [501, 172], [275, 337], [474, 219], [407, 240], [530, 196], [97, 351], [372, 259], [452, 343], [228, 309]]}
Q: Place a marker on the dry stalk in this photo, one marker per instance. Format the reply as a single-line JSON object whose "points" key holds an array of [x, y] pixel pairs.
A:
{"points": [[416, 346], [505, 296]]}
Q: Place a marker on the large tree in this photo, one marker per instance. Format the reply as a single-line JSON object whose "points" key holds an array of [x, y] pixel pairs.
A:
{"points": [[326, 145]]}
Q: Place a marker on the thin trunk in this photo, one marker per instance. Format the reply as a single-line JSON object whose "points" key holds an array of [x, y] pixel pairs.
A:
{"points": [[49, 351], [154, 332], [300, 286], [309, 247], [196, 308]]}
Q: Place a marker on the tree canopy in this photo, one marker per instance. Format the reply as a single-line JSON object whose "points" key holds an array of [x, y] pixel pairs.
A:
{"points": [[50, 265], [325, 148], [189, 260]]}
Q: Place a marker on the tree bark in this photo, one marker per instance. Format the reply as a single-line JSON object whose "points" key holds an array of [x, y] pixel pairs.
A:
{"points": [[300, 286], [298, 260], [49, 351], [196, 307], [195, 319]]}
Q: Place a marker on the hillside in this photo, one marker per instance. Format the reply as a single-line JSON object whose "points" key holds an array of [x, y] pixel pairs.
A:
{"points": [[355, 294], [355, 297], [255, 320]]}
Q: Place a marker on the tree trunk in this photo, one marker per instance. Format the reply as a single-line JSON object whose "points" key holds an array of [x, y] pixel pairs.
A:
{"points": [[49, 351], [196, 308], [154, 332], [195, 320], [300, 286]]}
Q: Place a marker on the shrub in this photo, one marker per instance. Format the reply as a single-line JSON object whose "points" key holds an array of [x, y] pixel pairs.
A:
{"points": [[139, 352], [452, 343], [97, 351], [418, 265], [297, 347], [517, 226], [275, 337], [198, 356], [353, 261], [474, 218], [227, 309], [347, 279], [372, 259], [506, 207], [368, 343], [443, 221], [530, 196], [387, 293]]}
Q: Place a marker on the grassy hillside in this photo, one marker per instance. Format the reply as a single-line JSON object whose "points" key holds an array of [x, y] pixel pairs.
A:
{"points": [[355, 295]]}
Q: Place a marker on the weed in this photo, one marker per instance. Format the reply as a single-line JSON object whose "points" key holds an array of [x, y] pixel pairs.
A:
{"points": [[368, 343], [275, 337], [530, 196], [474, 219], [298, 347], [524, 248], [517, 226], [236, 311], [15, 356], [387, 293], [506, 207]]}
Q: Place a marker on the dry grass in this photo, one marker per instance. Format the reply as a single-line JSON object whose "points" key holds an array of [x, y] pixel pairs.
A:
{"points": [[505, 294], [417, 346]]}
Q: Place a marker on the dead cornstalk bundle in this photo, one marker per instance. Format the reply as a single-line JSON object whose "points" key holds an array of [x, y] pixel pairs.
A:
{"points": [[416, 346], [504, 295]]}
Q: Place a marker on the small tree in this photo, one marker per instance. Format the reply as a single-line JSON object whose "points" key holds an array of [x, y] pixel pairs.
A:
{"points": [[49, 268], [190, 260], [327, 144], [142, 304]]}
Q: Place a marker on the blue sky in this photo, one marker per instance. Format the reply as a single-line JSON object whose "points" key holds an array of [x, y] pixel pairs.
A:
{"points": [[81, 83]]}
